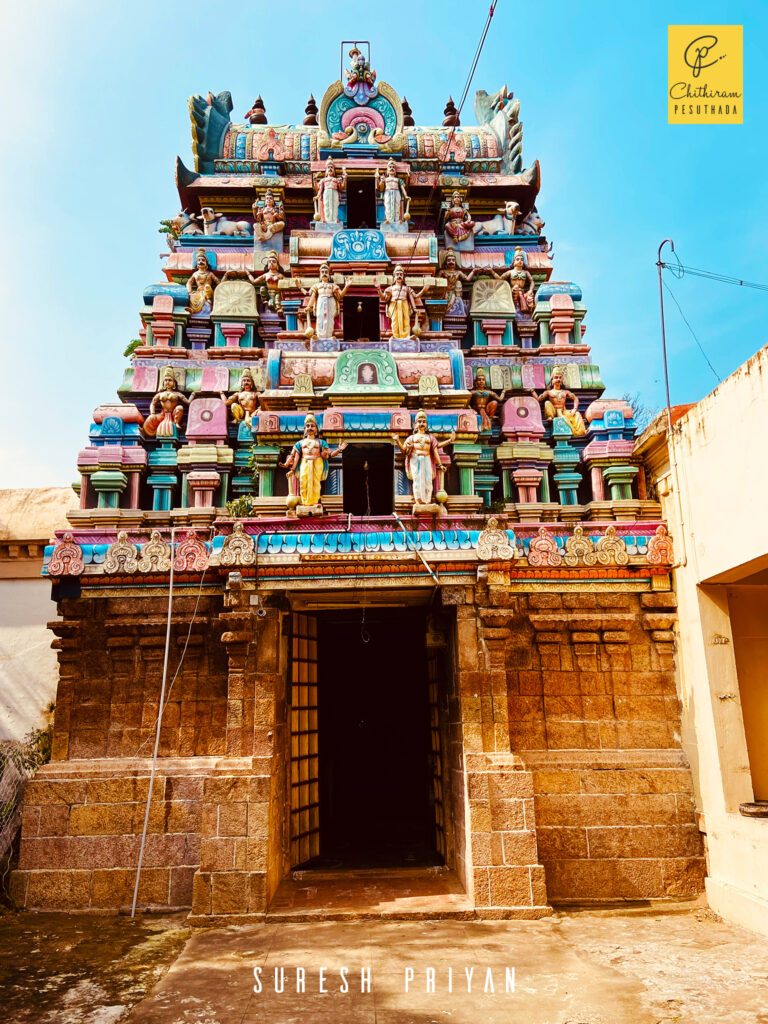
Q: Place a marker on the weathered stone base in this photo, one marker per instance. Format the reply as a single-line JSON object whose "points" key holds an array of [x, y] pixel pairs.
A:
{"points": [[81, 831]]}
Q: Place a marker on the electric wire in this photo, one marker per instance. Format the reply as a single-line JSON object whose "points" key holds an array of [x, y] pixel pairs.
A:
{"points": [[183, 652], [452, 132], [712, 275], [693, 333]]}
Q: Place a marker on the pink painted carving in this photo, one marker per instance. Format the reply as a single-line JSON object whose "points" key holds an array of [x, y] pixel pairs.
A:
{"points": [[145, 378], [191, 554], [544, 550], [207, 419], [532, 376], [67, 558], [333, 419], [660, 550], [127, 413], [409, 370], [215, 378], [320, 370], [521, 419]]}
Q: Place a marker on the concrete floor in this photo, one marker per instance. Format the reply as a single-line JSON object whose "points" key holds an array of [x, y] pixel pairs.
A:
{"points": [[578, 968]]}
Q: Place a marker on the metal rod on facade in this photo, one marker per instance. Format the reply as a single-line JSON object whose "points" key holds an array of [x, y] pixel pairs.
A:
{"points": [[415, 550], [157, 731], [670, 439]]}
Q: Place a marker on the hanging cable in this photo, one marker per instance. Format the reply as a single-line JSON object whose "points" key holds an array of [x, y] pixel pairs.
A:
{"points": [[680, 270], [184, 649], [163, 702], [693, 333], [452, 132]]}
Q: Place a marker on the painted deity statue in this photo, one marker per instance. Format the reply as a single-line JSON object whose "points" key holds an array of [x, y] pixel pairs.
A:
{"points": [[244, 402], [521, 281], [396, 199], [401, 306], [200, 286], [328, 188], [324, 302], [556, 399], [268, 217], [459, 226], [270, 280], [455, 292], [422, 459], [171, 401], [484, 401], [361, 80], [310, 457]]}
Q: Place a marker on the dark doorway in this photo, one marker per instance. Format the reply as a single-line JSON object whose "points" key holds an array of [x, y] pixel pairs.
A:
{"points": [[361, 318], [361, 203], [369, 480], [374, 739]]}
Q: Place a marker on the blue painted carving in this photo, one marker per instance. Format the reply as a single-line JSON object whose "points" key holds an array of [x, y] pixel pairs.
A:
{"points": [[210, 122], [342, 104], [358, 245]]}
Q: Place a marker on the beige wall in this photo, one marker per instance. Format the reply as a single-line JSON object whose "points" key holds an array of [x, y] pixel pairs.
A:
{"points": [[714, 494], [28, 670]]}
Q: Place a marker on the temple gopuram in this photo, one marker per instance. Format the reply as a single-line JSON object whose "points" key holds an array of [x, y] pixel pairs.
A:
{"points": [[422, 619]]}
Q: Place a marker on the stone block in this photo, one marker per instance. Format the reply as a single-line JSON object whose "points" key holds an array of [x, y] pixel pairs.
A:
{"points": [[615, 636], [582, 637], [563, 843], [510, 785], [226, 789], [645, 841], [58, 890], [603, 809], [182, 879], [113, 888], [41, 791], [518, 847], [233, 819], [217, 854], [229, 892], [546, 780], [545, 601], [482, 887], [667, 599], [477, 785], [507, 815], [102, 819], [201, 893], [684, 877], [510, 886], [257, 892]]}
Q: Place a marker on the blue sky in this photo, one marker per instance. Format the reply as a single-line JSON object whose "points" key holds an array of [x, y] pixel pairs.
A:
{"points": [[95, 111]]}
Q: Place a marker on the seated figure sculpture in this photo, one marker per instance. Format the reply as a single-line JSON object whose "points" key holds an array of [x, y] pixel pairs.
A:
{"points": [[244, 402], [307, 466], [422, 460], [484, 401], [172, 402], [521, 282], [555, 400], [200, 286], [268, 218]]}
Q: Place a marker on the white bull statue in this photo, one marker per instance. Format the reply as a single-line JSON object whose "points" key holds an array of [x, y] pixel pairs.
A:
{"points": [[217, 224]]}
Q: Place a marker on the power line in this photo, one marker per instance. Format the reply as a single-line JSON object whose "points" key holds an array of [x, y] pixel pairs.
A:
{"points": [[452, 132], [712, 276], [685, 320]]}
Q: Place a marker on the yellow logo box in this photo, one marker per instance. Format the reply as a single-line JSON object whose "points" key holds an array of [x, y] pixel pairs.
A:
{"points": [[706, 74]]}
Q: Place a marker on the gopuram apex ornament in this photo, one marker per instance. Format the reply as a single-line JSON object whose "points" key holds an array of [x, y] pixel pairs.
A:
{"points": [[422, 613]]}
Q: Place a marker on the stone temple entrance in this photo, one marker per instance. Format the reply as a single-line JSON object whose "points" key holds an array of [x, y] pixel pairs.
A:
{"points": [[366, 753]]}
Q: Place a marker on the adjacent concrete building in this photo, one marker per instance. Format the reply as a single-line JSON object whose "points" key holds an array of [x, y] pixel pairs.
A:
{"points": [[713, 495], [28, 667]]}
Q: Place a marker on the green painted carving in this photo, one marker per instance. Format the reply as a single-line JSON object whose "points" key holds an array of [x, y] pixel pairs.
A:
{"points": [[366, 371]]}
